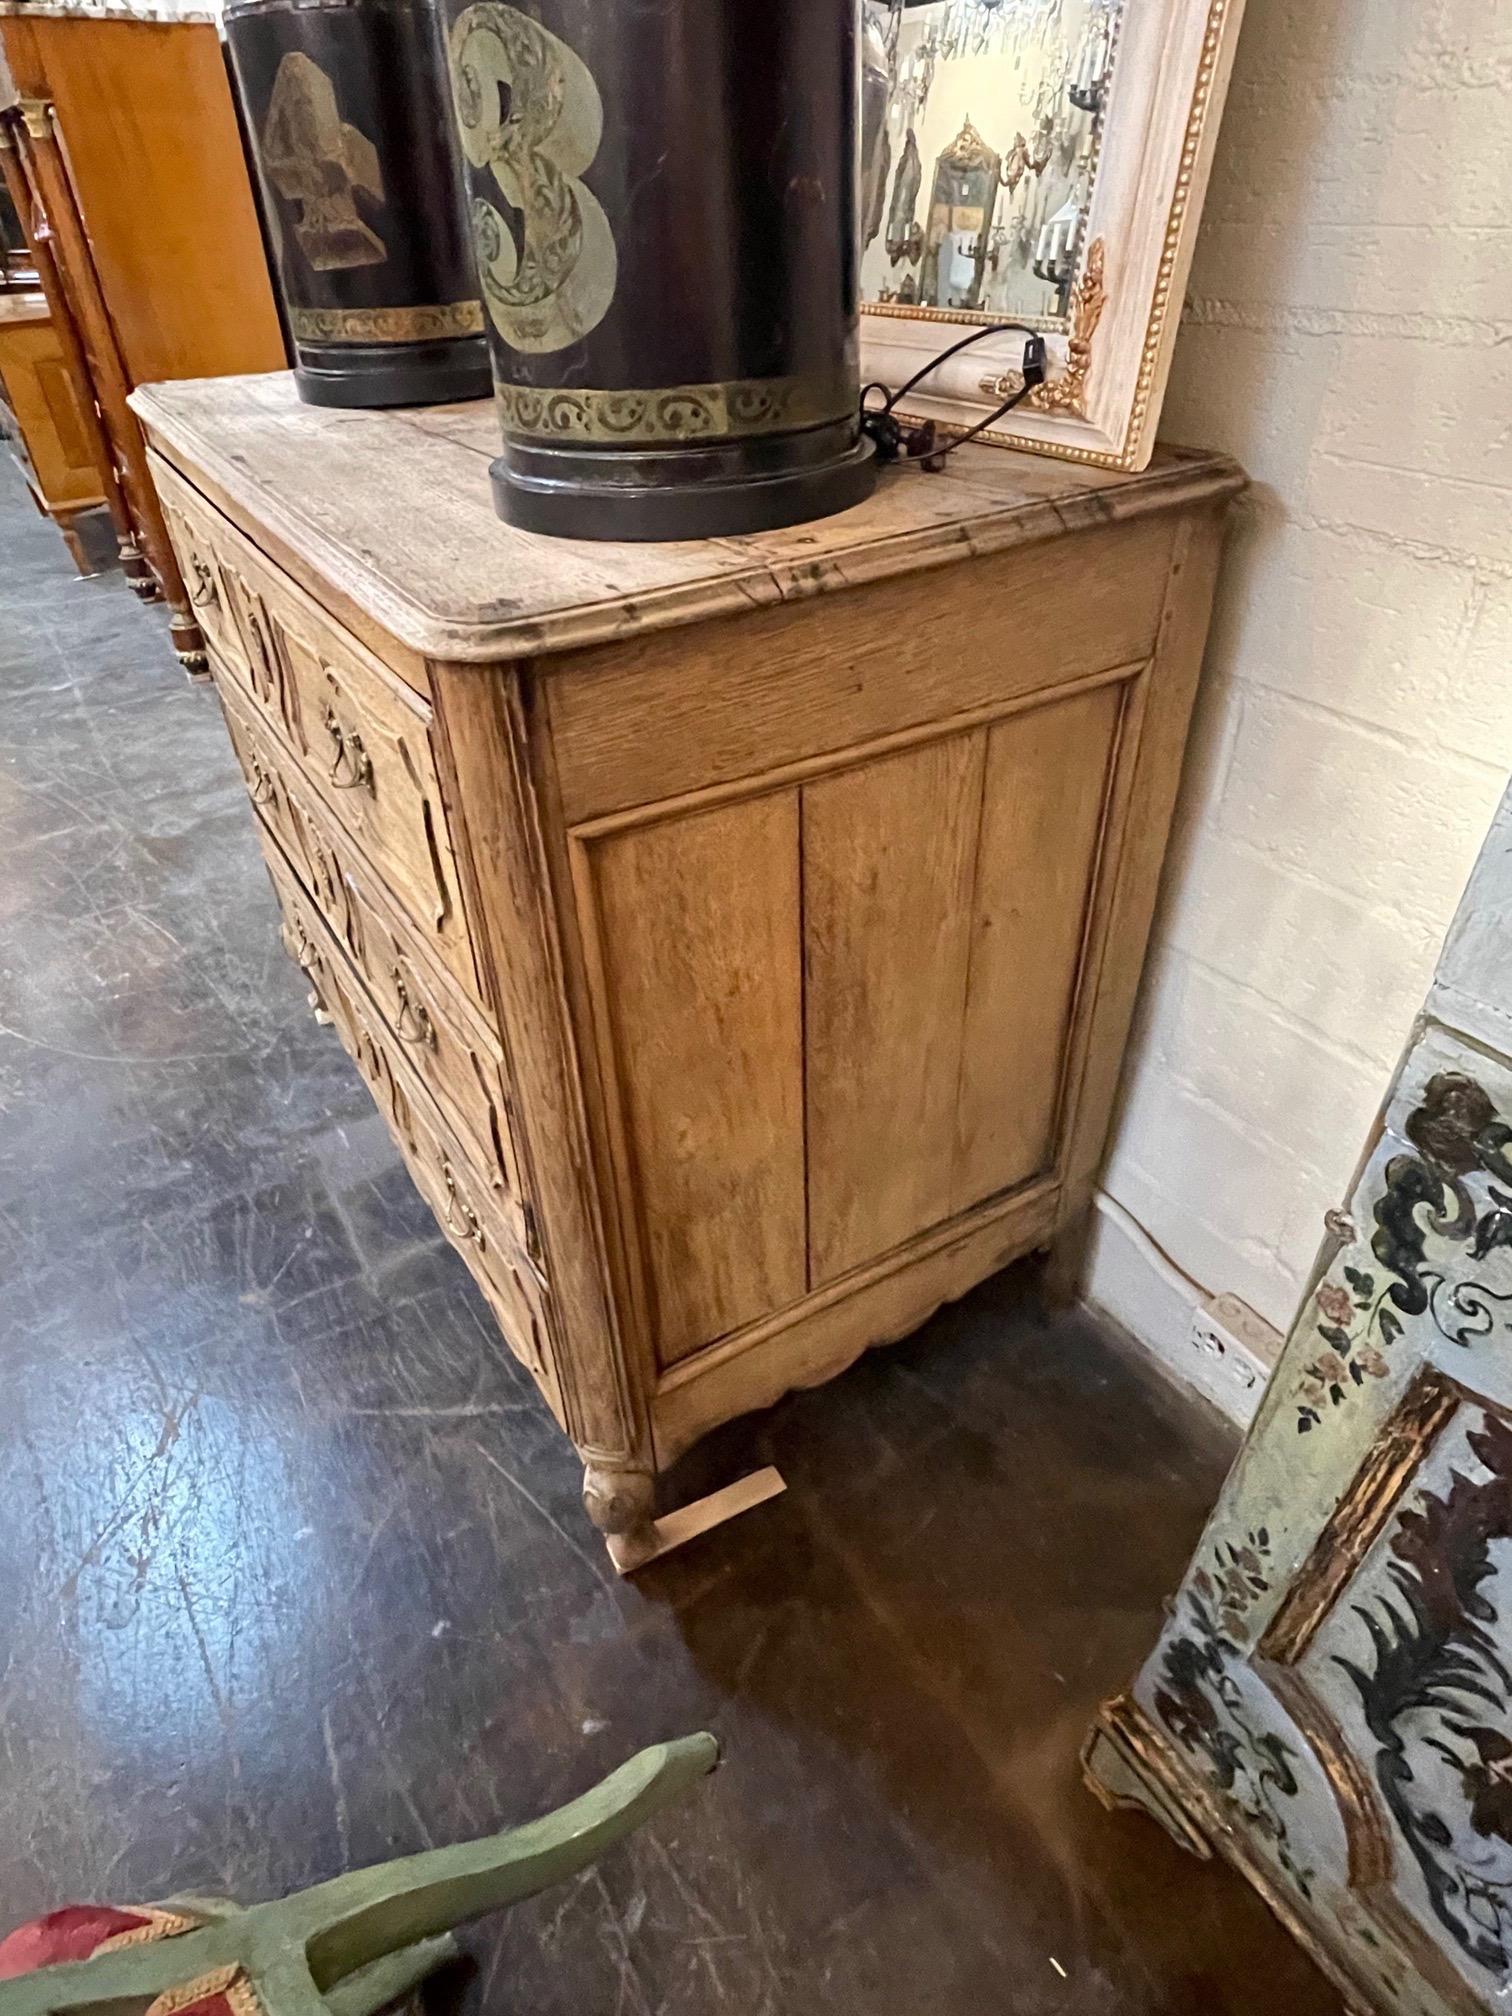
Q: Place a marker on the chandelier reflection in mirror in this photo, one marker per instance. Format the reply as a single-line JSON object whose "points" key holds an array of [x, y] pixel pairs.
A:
{"points": [[980, 139]]}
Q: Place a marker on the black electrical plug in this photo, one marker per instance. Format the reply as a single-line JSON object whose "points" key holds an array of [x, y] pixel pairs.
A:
{"points": [[894, 441]]}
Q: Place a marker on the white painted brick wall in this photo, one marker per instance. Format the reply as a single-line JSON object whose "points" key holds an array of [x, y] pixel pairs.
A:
{"points": [[1348, 337]]}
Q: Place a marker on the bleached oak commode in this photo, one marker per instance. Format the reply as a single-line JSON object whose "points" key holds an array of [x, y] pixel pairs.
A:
{"points": [[740, 937]]}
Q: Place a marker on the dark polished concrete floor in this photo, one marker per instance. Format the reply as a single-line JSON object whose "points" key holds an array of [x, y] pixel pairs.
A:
{"points": [[292, 1570]]}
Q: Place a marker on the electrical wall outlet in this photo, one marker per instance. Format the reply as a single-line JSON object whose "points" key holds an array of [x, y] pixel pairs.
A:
{"points": [[1238, 1348]]}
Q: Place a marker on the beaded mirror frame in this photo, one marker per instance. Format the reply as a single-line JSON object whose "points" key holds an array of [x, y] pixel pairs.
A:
{"points": [[1125, 267]]}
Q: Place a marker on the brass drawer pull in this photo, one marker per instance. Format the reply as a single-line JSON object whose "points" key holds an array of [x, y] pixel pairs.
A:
{"points": [[421, 1029], [309, 965], [351, 757], [204, 594], [461, 1218], [297, 944]]}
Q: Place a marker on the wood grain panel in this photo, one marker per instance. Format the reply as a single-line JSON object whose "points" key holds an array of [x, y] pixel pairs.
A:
{"points": [[776, 687], [887, 866], [832, 1327], [701, 986], [37, 389], [156, 161], [482, 737], [1143, 800], [1042, 806]]}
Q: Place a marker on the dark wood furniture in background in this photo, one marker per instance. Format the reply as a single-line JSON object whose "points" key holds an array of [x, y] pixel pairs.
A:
{"points": [[125, 161], [740, 936], [41, 418]]}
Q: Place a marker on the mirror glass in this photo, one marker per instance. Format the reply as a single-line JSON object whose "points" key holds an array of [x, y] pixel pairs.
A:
{"points": [[980, 124], [16, 269]]}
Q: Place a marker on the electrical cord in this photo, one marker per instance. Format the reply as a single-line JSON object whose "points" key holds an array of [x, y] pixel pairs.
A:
{"points": [[895, 441]]}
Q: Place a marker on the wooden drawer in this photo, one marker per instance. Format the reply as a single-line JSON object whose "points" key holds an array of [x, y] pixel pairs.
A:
{"points": [[329, 864], [204, 574], [363, 742], [481, 1222], [452, 1053], [361, 737]]}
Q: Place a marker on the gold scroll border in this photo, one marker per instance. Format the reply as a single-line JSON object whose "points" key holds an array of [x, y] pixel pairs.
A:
{"points": [[386, 325], [724, 410], [157, 1924], [231, 1982]]}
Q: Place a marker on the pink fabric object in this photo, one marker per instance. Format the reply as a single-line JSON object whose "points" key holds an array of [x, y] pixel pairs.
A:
{"points": [[72, 1933]]}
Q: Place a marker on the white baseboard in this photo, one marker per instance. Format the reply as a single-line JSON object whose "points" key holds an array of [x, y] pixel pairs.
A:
{"points": [[1131, 1282]]}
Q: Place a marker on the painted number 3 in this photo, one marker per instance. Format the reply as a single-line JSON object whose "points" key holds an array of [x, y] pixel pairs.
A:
{"points": [[532, 119]]}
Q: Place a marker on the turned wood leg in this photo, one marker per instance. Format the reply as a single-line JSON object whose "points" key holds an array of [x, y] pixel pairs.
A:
{"points": [[622, 1504], [140, 578]]}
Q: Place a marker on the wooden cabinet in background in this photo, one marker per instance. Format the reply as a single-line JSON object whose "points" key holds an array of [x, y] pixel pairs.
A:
{"points": [[41, 418], [740, 937], [127, 165]]}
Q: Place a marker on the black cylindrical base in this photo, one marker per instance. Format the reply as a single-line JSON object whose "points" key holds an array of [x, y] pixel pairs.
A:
{"points": [[347, 377], [583, 495], [664, 208], [348, 118]]}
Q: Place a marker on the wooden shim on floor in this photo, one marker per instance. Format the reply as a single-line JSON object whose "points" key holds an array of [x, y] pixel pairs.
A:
{"points": [[702, 1516]]}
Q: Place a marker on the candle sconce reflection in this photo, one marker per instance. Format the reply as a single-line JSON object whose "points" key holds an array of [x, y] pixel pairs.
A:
{"points": [[1000, 102]]}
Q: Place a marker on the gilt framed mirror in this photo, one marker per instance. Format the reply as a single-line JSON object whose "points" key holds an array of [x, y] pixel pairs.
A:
{"points": [[1039, 162]]}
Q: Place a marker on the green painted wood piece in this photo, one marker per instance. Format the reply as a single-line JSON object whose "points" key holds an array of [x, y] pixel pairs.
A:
{"points": [[348, 1947]]}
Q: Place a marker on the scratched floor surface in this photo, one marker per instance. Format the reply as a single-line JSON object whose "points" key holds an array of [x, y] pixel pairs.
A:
{"points": [[292, 1573]]}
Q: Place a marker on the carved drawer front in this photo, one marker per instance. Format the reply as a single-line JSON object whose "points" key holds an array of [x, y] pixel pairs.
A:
{"points": [[479, 1221], [202, 567], [364, 742], [361, 737], [266, 780], [453, 1054], [313, 839]]}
